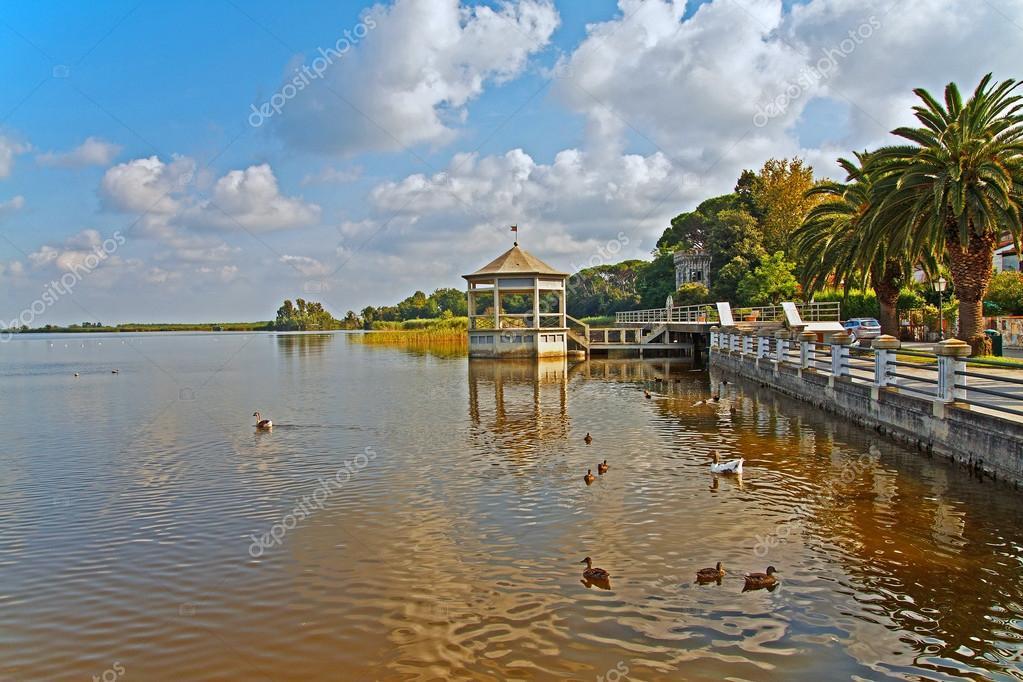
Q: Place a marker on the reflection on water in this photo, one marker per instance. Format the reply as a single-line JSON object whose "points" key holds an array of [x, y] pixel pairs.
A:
{"points": [[307, 343], [417, 518]]}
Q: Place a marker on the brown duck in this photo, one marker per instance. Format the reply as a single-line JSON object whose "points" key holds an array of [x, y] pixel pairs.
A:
{"points": [[603, 467], [706, 575], [588, 438], [589, 477], [758, 581], [593, 573]]}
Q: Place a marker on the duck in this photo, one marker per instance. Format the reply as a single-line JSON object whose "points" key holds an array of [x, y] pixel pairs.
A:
{"points": [[758, 581], [603, 467], [709, 574], [589, 477], [716, 397], [588, 438], [115, 371], [592, 573], [646, 394], [76, 373], [262, 424], [733, 466]]}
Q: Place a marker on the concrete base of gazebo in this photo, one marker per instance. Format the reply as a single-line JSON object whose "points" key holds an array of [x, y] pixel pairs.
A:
{"points": [[518, 343]]}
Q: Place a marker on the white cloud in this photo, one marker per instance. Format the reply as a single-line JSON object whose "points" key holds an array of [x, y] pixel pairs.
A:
{"points": [[413, 74], [147, 186], [310, 267], [12, 205], [9, 149], [251, 200], [92, 152], [165, 193]]}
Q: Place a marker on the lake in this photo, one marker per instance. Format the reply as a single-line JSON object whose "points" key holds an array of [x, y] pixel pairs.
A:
{"points": [[418, 517]]}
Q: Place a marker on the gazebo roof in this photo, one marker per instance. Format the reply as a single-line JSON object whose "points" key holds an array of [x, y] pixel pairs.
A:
{"points": [[515, 261]]}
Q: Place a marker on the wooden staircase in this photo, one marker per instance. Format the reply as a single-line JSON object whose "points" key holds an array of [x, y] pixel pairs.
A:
{"points": [[579, 333]]}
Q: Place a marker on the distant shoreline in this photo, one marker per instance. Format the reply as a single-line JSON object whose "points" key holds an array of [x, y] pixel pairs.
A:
{"points": [[153, 327]]}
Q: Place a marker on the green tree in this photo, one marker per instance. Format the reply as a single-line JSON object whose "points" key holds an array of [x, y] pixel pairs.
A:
{"points": [[656, 281], [831, 247], [1006, 292], [781, 195], [451, 300], [771, 282], [957, 188], [605, 289], [691, 293]]}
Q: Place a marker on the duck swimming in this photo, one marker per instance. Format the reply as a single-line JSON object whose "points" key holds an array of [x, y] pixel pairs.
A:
{"points": [[603, 467], [589, 477], [592, 573], [262, 424], [733, 466], [588, 438], [705, 575], [646, 394], [759, 581]]}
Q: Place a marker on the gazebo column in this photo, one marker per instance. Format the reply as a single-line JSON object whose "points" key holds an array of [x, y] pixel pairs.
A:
{"points": [[536, 303], [497, 304]]}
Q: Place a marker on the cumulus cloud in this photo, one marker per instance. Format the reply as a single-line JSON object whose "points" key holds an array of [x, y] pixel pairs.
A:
{"points": [[410, 79], [242, 199], [251, 200], [10, 148], [310, 267], [92, 152], [12, 205]]}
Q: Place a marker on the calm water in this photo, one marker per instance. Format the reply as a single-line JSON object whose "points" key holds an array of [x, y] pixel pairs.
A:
{"points": [[129, 505]]}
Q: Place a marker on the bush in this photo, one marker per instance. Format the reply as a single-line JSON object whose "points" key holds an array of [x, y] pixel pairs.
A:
{"points": [[692, 293], [856, 304], [1006, 292]]}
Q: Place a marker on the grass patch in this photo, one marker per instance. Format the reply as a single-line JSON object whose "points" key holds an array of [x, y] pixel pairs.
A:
{"points": [[446, 337], [599, 320]]}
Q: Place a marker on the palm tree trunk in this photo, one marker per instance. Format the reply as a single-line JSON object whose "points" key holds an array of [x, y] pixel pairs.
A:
{"points": [[971, 268], [886, 285]]}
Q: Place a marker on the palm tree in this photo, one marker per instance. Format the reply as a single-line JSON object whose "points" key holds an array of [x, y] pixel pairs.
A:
{"points": [[956, 189], [831, 242]]}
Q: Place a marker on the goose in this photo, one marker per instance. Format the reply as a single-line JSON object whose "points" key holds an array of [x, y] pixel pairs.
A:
{"points": [[588, 438], [603, 467], [733, 466], [589, 477], [709, 574], [758, 581], [592, 573], [263, 424]]}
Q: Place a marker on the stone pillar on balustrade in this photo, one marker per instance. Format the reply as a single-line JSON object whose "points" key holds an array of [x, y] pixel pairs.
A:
{"points": [[840, 343], [951, 362], [884, 347]]}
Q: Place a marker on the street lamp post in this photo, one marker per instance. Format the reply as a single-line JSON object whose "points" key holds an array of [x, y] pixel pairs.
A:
{"points": [[939, 286]]}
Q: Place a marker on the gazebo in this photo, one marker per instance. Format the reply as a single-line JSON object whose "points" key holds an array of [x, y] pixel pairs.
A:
{"points": [[517, 308]]}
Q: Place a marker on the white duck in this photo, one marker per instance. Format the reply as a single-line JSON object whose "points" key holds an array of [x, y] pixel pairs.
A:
{"points": [[263, 424], [733, 466]]}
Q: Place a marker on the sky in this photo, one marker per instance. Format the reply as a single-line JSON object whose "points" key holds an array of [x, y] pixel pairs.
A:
{"points": [[204, 161]]}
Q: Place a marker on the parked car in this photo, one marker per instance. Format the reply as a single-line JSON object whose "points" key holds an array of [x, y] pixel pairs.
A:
{"points": [[863, 328]]}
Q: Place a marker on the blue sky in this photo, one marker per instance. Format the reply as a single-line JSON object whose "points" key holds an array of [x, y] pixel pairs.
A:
{"points": [[588, 123]]}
